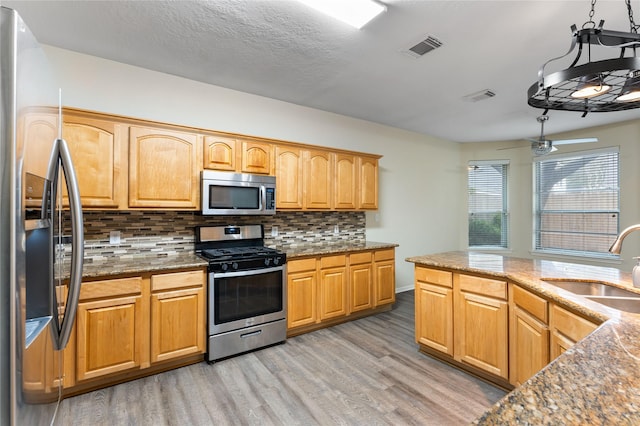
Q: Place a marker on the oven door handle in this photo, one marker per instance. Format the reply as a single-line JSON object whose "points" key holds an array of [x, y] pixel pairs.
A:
{"points": [[248, 273]]}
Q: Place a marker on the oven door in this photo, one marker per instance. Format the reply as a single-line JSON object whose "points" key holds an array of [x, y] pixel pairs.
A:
{"points": [[246, 298]]}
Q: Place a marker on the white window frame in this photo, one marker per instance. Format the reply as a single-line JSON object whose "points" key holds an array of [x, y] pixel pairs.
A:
{"points": [[536, 209], [505, 233]]}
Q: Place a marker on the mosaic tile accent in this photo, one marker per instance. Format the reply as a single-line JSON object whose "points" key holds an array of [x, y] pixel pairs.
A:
{"points": [[143, 233]]}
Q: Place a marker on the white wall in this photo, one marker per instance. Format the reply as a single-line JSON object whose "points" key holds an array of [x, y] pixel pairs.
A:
{"points": [[624, 135], [420, 176]]}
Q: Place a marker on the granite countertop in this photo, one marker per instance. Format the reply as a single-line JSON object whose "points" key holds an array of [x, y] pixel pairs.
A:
{"points": [[135, 265], [122, 265], [318, 249], [597, 381]]}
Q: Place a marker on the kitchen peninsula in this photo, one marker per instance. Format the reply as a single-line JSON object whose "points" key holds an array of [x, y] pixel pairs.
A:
{"points": [[594, 381]]}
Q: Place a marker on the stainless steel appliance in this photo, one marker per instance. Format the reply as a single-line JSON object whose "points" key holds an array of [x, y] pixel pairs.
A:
{"points": [[247, 306], [37, 308], [237, 194]]}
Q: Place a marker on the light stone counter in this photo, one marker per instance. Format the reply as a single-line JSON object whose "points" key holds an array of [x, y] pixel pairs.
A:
{"points": [[597, 381], [326, 248]]}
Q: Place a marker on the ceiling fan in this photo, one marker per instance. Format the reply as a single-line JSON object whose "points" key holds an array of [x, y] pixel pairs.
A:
{"points": [[543, 146]]}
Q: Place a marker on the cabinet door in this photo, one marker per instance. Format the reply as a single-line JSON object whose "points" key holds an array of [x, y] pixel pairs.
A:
{"points": [[177, 315], [566, 329], [220, 153], [385, 277], [301, 293], [333, 292], [361, 282], [368, 168], [289, 179], [434, 317], [38, 131], [317, 180], [99, 159], [256, 157], [108, 336], [163, 169], [111, 328], [481, 325], [529, 342], [346, 184]]}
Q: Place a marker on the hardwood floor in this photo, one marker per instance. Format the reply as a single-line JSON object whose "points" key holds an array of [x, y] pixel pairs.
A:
{"points": [[367, 371]]}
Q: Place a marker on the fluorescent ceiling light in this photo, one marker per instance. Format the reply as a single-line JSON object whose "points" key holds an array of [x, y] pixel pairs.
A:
{"points": [[353, 12]]}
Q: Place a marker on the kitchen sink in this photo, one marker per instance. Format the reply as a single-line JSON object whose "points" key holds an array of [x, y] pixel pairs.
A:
{"points": [[599, 292], [592, 288], [627, 304]]}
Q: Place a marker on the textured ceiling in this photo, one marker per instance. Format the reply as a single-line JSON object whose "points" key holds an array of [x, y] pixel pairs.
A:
{"points": [[284, 50]]}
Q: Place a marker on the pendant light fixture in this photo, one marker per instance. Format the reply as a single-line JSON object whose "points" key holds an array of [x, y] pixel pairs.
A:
{"points": [[593, 86]]}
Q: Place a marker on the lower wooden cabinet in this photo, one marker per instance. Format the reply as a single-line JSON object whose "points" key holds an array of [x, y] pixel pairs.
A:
{"points": [[434, 309], [529, 334], [177, 315], [480, 323], [566, 329], [492, 328], [334, 288], [111, 332], [302, 280], [361, 281], [129, 324]]}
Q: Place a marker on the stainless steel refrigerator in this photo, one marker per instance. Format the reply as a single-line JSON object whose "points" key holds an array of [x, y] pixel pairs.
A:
{"points": [[39, 210]]}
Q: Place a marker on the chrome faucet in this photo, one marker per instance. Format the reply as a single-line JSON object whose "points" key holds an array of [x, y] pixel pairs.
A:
{"points": [[617, 246]]}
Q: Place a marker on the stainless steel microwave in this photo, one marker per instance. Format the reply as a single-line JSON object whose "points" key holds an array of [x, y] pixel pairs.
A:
{"points": [[225, 193]]}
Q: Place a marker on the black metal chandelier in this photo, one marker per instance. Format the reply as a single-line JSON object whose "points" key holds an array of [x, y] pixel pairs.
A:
{"points": [[599, 86]]}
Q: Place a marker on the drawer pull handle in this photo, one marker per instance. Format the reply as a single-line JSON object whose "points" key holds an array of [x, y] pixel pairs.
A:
{"points": [[253, 333]]}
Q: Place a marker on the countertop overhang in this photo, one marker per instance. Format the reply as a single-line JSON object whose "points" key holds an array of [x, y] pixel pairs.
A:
{"points": [[597, 381]]}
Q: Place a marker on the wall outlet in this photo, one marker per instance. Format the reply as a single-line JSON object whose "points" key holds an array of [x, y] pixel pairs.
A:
{"points": [[336, 229], [114, 237], [274, 231]]}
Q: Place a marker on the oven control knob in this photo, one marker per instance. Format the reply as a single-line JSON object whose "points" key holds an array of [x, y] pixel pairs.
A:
{"points": [[235, 265], [224, 266], [276, 260], [267, 261]]}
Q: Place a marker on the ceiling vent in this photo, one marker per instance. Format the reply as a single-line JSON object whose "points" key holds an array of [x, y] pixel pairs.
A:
{"points": [[425, 46], [479, 96]]}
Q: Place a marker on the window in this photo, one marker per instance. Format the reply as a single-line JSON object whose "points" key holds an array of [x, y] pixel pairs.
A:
{"points": [[487, 192], [577, 203]]}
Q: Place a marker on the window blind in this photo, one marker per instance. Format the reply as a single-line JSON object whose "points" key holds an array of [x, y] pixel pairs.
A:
{"points": [[487, 204], [577, 203]]}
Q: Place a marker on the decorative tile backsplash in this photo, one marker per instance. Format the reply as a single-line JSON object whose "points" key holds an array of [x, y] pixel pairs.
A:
{"points": [[146, 232]]}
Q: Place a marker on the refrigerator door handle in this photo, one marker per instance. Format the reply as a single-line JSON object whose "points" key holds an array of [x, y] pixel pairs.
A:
{"points": [[61, 150]]}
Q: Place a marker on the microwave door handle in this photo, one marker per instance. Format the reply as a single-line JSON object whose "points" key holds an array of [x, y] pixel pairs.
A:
{"points": [[263, 197], [77, 244]]}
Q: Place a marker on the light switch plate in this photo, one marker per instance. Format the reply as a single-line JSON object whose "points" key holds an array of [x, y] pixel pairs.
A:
{"points": [[274, 231]]}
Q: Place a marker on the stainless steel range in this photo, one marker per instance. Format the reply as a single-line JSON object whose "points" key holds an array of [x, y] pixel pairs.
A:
{"points": [[246, 289]]}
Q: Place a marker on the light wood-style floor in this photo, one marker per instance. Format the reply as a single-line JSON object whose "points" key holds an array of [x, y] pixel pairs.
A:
{"points": [[366, 372]]}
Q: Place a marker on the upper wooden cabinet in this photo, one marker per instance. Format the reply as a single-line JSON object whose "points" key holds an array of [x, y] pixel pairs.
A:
{"points": [[368, 179], [256, 157], [164, 169], [318, 177], [99, 158], [37, 131], [345, 182], [220, 153], [289, 166]]}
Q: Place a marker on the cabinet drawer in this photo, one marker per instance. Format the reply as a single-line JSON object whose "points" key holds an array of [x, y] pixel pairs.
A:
{"points": [[434, 276], [569, 324], [110, 288], [357, 258], [484, 286], [531, 303], [177, 280], [332, 261], [384, 255], [301, 265]]}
